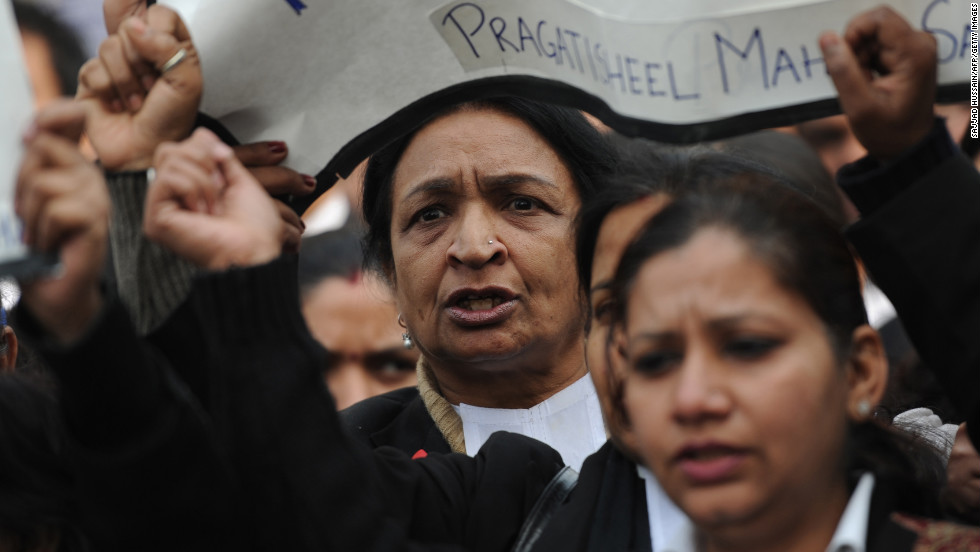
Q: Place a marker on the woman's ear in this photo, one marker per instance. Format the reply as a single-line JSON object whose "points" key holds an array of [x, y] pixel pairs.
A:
{"points": [[867, 373]]}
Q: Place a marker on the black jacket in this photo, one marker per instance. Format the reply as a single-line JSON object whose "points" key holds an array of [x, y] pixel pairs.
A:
{"points": [[395, 419], [919, 237]]}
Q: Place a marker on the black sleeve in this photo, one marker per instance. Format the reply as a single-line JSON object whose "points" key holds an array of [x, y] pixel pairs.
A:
{"points": [[148, 474], [920, 240], [309, 485]]}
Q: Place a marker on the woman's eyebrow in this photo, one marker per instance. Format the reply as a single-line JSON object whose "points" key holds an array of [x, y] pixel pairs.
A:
{"points": [[429, 186], [601, 286], [510, 179]]}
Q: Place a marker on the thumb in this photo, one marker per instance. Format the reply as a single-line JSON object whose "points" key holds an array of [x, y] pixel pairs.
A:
{"points": [[853, 85]]}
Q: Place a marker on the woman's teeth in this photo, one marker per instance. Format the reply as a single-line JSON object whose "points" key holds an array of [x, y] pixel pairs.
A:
{"points": [[480, 303]]}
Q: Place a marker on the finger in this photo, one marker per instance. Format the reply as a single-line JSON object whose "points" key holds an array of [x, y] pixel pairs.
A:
{"points": [[94, 83], [198, 186], [115, 11], [166, 20], [63, 117], [63, 217], [158, 48], [44, 188], [235, 174], [119, 66], [289, 216], [863, 28], [57, 151], [260, 154], [852, 82], [292, 237], [283, 181], [30, 165], [195, 149], [185, 182], [292, 230]]}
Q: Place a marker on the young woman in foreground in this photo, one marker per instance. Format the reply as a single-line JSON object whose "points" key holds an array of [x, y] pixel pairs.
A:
{"points": [[750, 376]]}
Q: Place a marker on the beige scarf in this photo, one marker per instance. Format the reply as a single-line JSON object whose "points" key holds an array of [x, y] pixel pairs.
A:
{"points": [[446, 419]]}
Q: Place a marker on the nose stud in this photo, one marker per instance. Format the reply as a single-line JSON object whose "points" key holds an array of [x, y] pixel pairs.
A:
{"points": [[490, 242]]}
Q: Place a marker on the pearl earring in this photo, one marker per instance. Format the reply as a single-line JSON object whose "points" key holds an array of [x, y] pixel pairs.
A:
{"points": [[406, 339], [864, 408]]}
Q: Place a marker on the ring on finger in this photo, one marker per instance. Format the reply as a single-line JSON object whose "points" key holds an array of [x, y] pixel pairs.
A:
{"points": [[174, 60]]}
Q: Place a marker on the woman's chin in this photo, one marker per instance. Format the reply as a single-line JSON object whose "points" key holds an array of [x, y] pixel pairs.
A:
{"points": [[719, 507]]}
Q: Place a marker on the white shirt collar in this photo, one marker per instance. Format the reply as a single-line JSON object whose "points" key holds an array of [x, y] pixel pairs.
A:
{"points": [[850, 536], [852, 529], [665, 518], [570, 421]]}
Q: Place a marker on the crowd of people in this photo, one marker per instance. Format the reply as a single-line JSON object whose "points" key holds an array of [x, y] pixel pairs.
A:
{"points": [[554, 337]]}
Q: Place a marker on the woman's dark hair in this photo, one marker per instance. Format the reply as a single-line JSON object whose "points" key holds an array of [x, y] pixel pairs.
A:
{"points": [[36, 485], [646, 168], [794, 159], [808, 256], [581, 147], [67, 55]]}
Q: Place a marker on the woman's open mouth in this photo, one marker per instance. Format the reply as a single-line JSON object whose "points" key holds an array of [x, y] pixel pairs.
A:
{"points": [[709, 463], [478, 307]]}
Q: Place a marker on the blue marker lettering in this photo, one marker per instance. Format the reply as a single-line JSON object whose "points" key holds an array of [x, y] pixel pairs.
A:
{"points": [[499, 34], [673, 85], [744, 54], [780, 56], [525, 33], [449, 15], [651, 80]]}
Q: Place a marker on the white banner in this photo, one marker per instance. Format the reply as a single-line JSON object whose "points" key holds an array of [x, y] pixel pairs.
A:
{"points": [[16, 110], [335, 79]]}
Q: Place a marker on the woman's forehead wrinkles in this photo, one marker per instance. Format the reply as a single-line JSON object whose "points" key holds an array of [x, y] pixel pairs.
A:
{"points": [[434, 185], [486, 183]]}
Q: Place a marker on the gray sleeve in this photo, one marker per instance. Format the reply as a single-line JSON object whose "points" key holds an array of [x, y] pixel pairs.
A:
{"points": [[152, 281]]}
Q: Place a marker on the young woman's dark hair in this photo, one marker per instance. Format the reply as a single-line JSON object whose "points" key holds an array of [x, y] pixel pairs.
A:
{"points": [[584, 151], [790, 156], [808, 256], [645, 168], [36, 506]]}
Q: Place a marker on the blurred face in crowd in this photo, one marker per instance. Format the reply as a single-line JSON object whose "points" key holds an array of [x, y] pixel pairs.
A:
{"points": [[833, 140], [736, 398], [355, 320], [40, 69], [481, 238], [617, 230]]}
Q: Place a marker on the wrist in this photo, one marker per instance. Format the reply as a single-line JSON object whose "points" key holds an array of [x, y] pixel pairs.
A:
{"points": [[135, 165], [255, 255]]}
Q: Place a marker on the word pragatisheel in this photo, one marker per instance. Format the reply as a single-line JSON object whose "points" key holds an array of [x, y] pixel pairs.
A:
{"points": [[680, 71]]}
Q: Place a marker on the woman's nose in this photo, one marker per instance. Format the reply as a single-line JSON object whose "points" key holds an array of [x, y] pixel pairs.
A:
{"points": [[700, 392], [476, 242]]}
